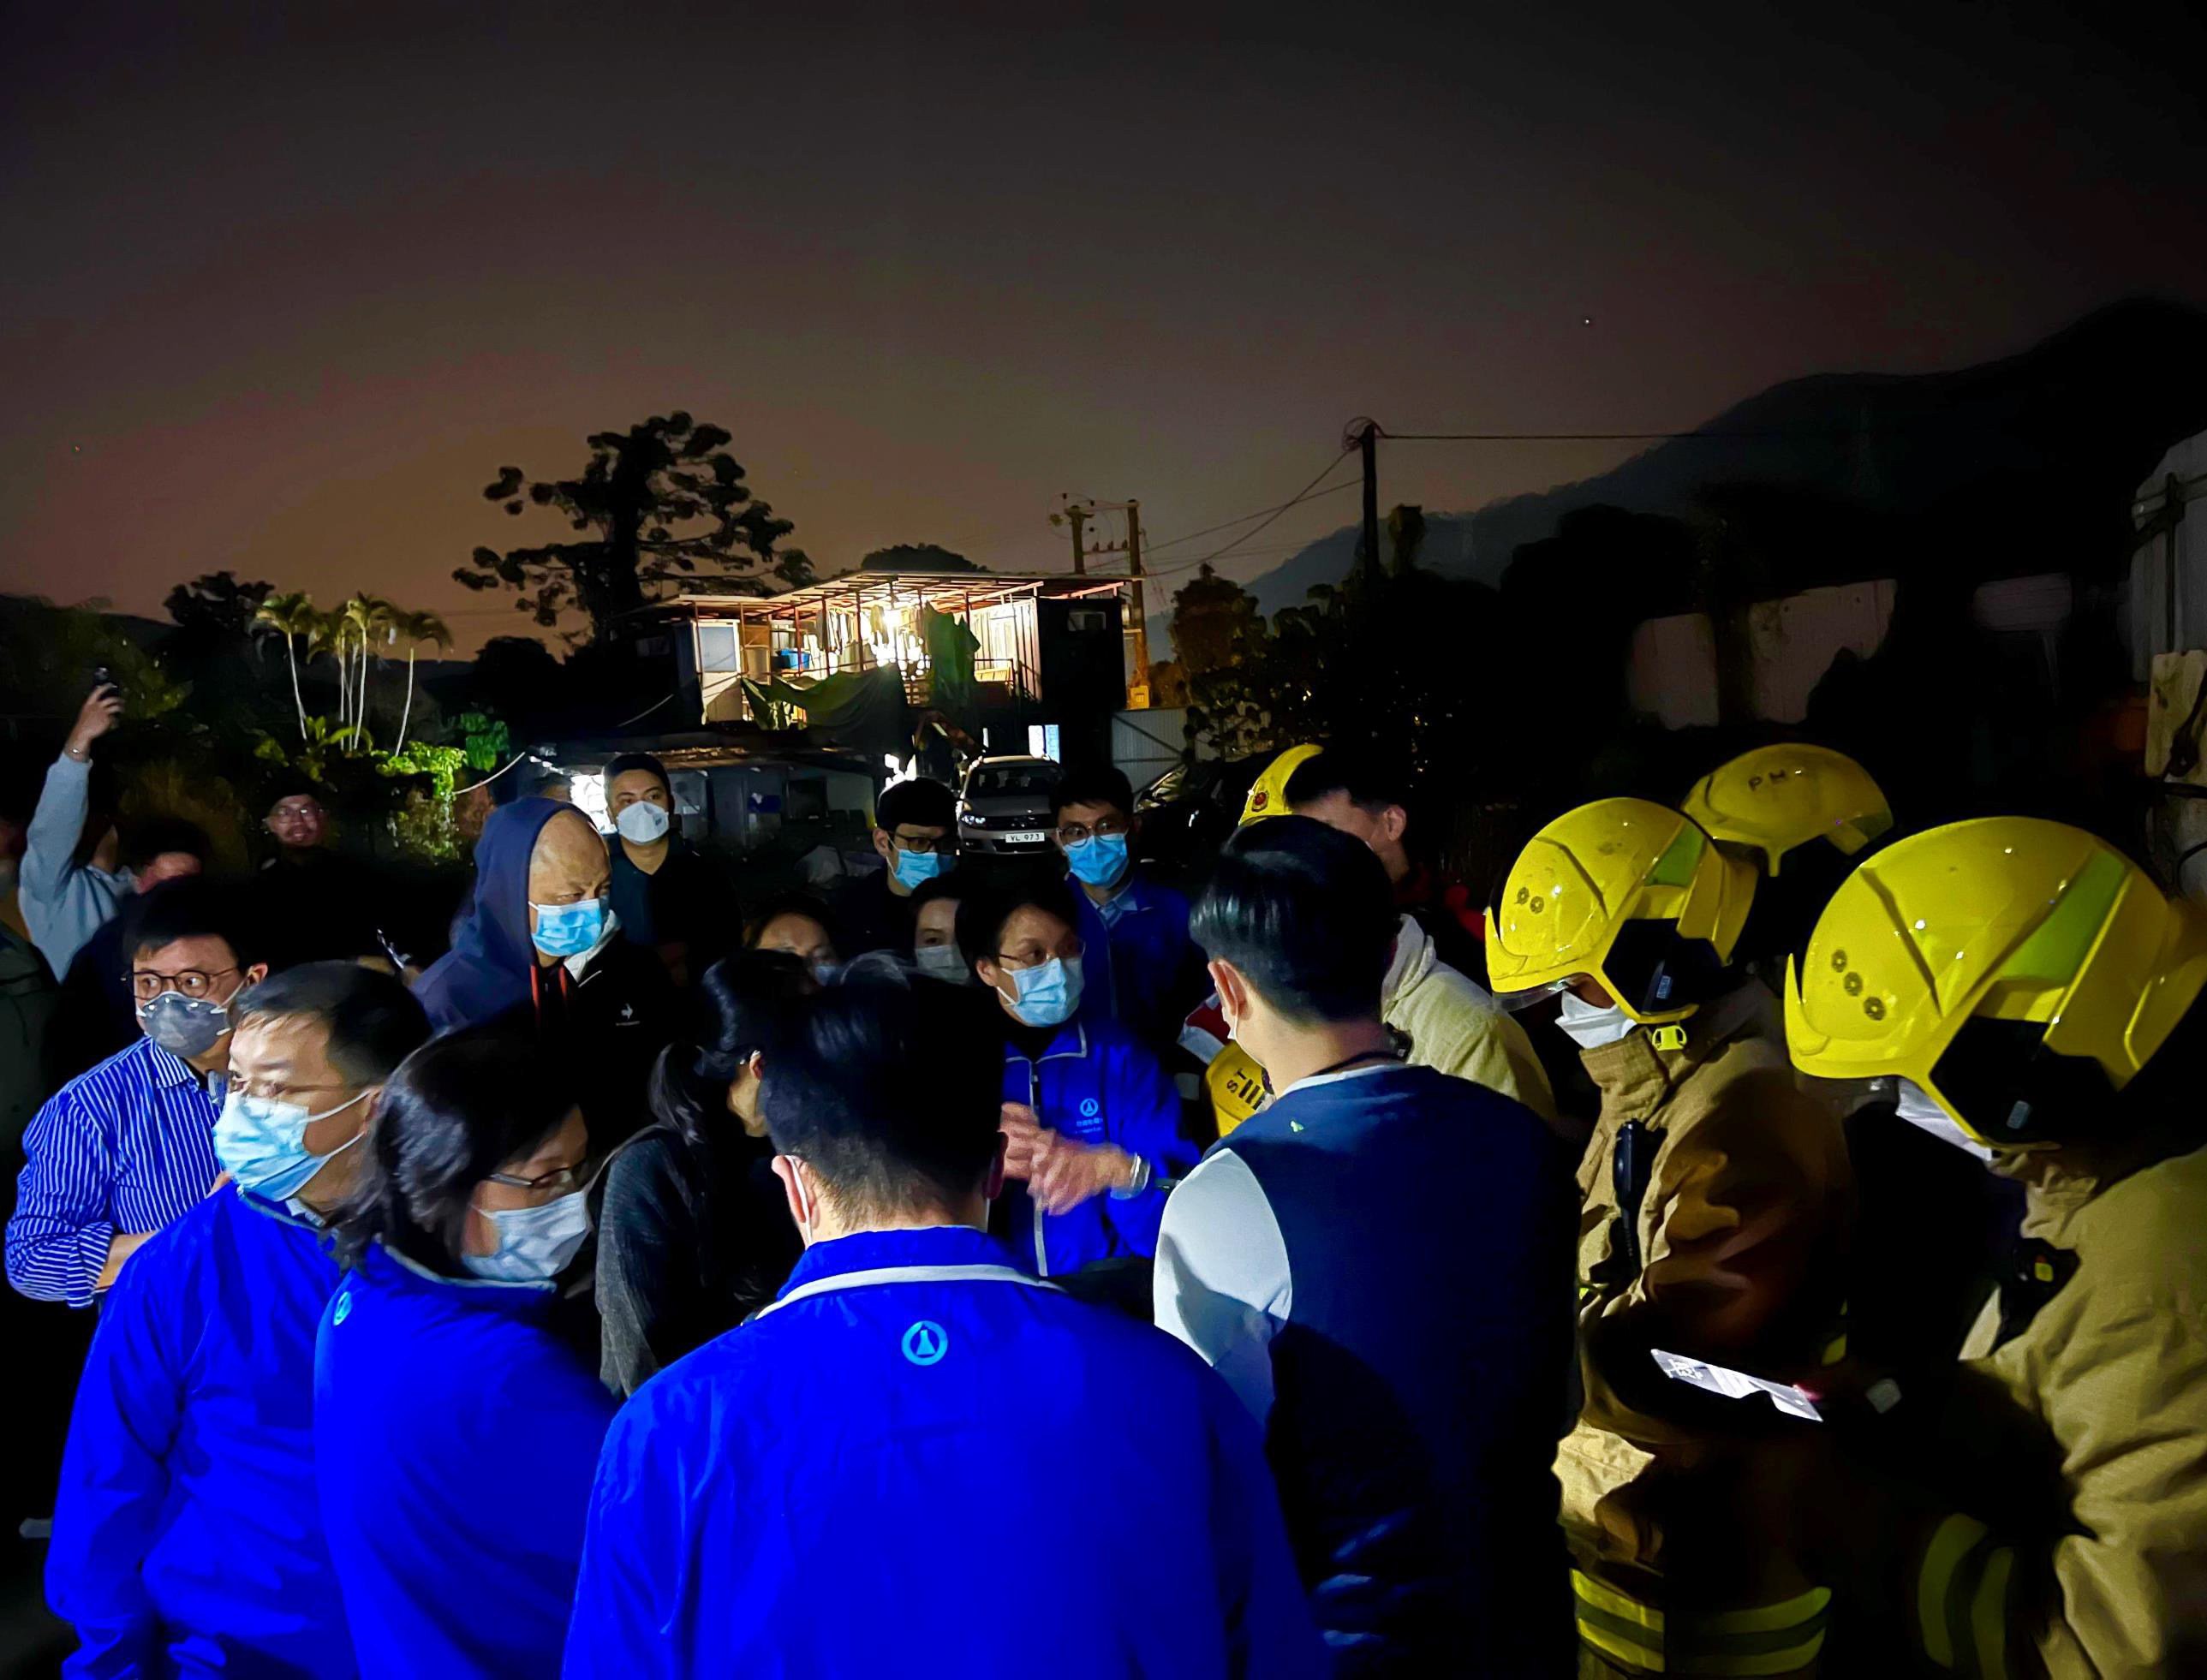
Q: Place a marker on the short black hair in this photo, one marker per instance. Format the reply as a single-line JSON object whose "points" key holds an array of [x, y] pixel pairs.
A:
{"points": [[153, 837], [890, 1088], [194, 908], [922, 803], [1306, 914], [1093, 785], [768, 910], [1370, 785], [981, 918], [292, 786], [952, 887], [374, 1023], [625, 762], [457, 1110], [743, 1008]]}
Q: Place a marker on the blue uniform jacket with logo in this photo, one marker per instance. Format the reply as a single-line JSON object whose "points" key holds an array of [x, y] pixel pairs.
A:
{"points": [[1096, 1084], [842, 1487], [188, 1538], [1140, 965], [454, 1435]]}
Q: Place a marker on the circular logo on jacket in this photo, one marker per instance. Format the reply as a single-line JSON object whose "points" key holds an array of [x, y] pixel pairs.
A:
{"points": [[926, 1342], [343, 1309], [1090, 1107]]}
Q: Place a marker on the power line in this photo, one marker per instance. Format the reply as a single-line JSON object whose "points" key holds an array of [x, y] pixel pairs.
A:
{"points": [[1308, 493], [1596, 437], [1228, 525]]}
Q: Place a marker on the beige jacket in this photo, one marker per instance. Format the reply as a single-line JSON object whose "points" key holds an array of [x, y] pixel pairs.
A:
{"points": [[2110, 1374], [1454, 1025], [1740, 1234]]}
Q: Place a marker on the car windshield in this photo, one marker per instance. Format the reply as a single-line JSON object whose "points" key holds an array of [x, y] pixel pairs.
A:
{"points": [[996, 781]]}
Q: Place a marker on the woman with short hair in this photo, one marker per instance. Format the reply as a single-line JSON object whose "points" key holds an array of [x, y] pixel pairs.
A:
{"points": [[455, 1432]]}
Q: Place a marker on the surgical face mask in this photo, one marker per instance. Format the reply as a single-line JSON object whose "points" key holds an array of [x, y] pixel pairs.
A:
{"points": [[1099, 860], [262, 1144], [1915, 1105], [643, 822], [186, 1027], [914, 867], [569, 930], [1048, 992], [944, 962], [534, 1243], [1591, 1028]]}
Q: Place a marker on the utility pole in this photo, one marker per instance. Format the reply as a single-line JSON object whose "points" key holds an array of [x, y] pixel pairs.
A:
{"points": [[1141, 617], [1076, 515], [1366, 437]]}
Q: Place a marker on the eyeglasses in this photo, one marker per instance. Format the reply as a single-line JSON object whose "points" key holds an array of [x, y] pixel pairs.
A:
{"points": [[558, 1183], [295, 813], [276, 1093], [1034, 958], [146, 985], [925, 843], [1106, 827]]}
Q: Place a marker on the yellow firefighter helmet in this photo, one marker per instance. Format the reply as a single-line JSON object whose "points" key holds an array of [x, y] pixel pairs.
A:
{"points": [[2019, 971]]}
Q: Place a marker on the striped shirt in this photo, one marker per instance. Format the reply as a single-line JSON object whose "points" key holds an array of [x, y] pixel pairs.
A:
{"points": [[127, 1147]]}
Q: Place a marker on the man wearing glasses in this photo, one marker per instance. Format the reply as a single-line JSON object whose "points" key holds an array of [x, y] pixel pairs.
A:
{"points": [[916, 832], [1143, 972], [121, 1151]]}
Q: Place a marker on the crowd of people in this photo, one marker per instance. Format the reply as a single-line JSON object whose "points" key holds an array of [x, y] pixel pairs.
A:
{"points": [[1762, 1241]]}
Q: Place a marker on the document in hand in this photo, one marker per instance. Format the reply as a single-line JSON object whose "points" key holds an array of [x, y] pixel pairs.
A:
{"points": [[1736, 1384]]}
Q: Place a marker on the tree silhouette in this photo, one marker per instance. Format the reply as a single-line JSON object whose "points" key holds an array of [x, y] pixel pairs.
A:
{"points": [[917, 557], [216, 607], [660, 503]]}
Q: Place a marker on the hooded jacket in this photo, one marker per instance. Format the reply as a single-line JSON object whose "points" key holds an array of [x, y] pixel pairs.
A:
{"points": [[487, 972], [1454, 1025], [189, 1535], [454, 1434], [1734, 1254], [606, 1014], [819, 1491]]}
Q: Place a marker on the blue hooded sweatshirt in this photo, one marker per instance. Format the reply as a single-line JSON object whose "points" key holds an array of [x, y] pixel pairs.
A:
{"points": [[454, 1434], [487, 970], [187, 1539], [1095, 1083], [841, 1487]]}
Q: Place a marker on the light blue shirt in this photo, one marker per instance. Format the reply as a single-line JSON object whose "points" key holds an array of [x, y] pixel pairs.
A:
{"points": [[64, 902]]}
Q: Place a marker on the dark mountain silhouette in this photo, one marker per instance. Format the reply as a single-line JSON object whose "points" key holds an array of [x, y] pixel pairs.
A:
{"points": [[2023, 465]]}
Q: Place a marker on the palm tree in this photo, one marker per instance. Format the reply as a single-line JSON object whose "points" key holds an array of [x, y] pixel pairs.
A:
{"points": [[291, 617], [329, 637], [365, 617], [416, 628]]}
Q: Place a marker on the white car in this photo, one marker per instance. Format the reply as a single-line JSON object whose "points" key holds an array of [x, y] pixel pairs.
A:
{"points": [[1004, 806]]}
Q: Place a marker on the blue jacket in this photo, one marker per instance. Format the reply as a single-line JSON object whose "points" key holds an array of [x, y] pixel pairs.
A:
{"points": [[454, 1435], [1139, 965], [187, 1539], [920, 1461], [1096, 1084]]}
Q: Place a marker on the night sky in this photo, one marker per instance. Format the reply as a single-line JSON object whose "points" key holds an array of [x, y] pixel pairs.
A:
{"points": [[282, 297]]}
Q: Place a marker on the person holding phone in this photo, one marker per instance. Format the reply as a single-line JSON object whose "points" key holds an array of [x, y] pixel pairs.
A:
{"points": [[70, 882]]}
